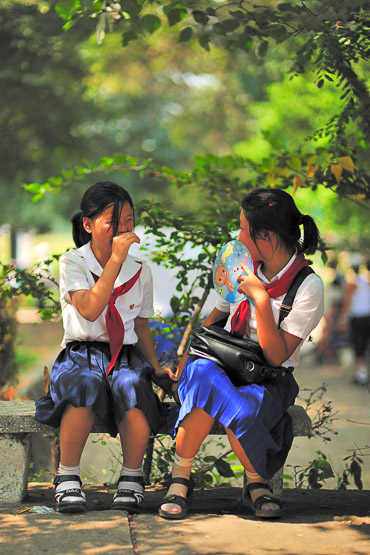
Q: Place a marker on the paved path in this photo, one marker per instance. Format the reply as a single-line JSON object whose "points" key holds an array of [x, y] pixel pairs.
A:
{"points": [[315, 522]]}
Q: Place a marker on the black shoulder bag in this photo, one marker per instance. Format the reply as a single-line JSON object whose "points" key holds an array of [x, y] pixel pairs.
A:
{"points": [[242, 359]]}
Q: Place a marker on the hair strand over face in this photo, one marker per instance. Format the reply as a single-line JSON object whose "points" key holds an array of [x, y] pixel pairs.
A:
{"points": [[95, 200]]}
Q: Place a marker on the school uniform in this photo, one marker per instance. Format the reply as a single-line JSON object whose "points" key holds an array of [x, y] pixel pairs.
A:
{"points": [[78, 376], [256, 414]]}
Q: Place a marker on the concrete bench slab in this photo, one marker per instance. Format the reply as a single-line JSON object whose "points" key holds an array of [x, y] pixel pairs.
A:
{"points": [[17, 423]]}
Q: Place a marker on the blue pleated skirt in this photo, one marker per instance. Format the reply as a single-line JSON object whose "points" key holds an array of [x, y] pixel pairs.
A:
{"points": [[78, 378], [256, 414]]}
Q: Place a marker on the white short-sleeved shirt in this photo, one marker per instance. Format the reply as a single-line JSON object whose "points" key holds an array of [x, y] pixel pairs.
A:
{"points": [[307, 310], [75, 274]]}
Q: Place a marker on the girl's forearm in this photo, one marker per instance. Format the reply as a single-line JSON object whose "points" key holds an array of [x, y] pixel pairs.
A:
{"points": [[269, 337], [145, 342], [91, 303]]}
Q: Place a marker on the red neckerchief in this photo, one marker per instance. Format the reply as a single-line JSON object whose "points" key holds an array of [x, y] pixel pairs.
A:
{"points": [[240, 320], [115, 327]]}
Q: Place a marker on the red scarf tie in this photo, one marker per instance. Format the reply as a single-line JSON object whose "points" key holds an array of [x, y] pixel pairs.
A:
{"points": [[113, 320], [240, 320]]}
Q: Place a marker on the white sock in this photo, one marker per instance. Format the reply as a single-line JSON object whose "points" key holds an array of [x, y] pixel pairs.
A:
{"points": [[64, 470], [133, 486], [181, 469]]}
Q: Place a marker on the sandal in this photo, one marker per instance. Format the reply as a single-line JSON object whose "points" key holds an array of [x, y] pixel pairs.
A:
{"points": [[182, 502], [127, 499], [262, 500], [78, 504]]}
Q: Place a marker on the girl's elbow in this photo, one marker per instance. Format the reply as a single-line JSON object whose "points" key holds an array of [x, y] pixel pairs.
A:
{"points": [[275, 362], [275, 359], [88, 315]]}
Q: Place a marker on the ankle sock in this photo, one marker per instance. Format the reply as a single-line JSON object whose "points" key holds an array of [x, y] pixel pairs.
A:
{"points": [[181, 469], [132, 486], [64, 470]]}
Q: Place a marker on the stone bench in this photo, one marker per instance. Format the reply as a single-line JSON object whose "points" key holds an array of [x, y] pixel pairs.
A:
{"points": [[17, 424]]}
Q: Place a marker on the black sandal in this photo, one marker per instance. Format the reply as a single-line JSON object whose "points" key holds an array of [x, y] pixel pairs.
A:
{"points": [[62, 506], [262, 499], [137, 498], [182, 502]]}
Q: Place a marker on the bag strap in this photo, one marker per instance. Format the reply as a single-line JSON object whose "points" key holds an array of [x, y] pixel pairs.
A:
{"points": [[288, 300]]}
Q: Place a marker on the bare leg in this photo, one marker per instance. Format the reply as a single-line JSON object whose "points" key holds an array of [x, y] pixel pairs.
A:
{"points": [[75, 427], [251, 473], [191, 433], [134, 433]]}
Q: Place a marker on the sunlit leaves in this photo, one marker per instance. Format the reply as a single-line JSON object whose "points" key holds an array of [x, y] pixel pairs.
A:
{"points": [[66, 8], [346, 163], [297, 182]]}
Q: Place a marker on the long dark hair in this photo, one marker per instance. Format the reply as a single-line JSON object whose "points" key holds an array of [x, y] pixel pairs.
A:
{"points": [[95, 200], [275, 210]]}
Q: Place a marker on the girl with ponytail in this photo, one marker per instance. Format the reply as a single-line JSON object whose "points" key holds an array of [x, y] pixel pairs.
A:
{"points": [[108, 359], [255, 416]]}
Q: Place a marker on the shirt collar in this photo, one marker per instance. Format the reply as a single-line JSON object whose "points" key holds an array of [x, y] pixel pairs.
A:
{"points": [[279, 275], [127, 271]]}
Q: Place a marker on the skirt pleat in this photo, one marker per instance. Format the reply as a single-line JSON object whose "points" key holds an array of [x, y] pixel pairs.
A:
{"points": [[78, 378], [256, 414]]}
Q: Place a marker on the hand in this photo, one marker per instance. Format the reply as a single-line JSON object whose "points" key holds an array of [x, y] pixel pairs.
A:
{"points": [[164, 378], [121, 244], [250, 285]]}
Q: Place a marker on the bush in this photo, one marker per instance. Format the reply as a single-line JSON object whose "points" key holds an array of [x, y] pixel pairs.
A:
{"points": [[8, 331]]}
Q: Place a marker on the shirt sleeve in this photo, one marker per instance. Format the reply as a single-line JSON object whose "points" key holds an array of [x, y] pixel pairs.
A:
{"points": [[147, 309], [308, 308], [222, 305], [72, 275]]}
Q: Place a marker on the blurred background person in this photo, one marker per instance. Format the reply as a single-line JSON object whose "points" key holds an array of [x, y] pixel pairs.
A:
{"points": [[355, 316]]}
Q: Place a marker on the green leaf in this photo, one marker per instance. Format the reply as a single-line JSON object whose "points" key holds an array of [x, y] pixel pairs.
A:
{"points": [[262, 48], [200, 17], [33, 187], [237, 13], [212, 12], [356, 473], [132, 7], [176, 15], [175, 304], [295, 164], [230, 25], [185, 34], [119, 159], [132, 160], [106, 161], [224, 469], [320, 83], [37, 197], [285, 7], [127, 36], [150, 23], [66, 8], [204, 41], [326, 469], [219, 29], [324, 257], [210, 458]]}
